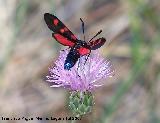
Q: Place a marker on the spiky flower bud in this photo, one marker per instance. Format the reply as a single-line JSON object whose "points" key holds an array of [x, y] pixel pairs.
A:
{"points": [[81, 103]]}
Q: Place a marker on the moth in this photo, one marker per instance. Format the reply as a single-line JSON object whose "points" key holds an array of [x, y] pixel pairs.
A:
{"points": [[64, 36]]}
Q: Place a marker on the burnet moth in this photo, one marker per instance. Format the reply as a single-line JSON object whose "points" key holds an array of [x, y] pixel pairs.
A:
{"points": [[64, 36]]}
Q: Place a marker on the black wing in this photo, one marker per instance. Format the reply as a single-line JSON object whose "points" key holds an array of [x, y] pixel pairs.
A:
{"points": [[58, 27]]}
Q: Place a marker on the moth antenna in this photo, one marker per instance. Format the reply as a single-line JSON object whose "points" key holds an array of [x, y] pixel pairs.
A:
{"points": [[95, 35], [82, 28]]}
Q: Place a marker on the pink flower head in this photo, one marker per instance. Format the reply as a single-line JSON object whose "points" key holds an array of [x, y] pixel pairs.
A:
{"points": [[83, 77]]}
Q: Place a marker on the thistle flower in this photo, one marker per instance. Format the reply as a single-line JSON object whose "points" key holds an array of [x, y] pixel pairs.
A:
{"points": [[83, 77]]}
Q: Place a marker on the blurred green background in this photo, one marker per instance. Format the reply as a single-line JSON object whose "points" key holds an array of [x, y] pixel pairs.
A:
{"points": [[132, 30]]}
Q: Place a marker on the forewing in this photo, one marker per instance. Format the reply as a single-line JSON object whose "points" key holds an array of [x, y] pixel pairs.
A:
{"points": [[57, 26], [63, 40], [97, 43]]}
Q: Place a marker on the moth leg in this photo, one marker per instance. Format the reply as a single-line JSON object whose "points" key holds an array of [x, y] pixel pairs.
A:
{"points": [[86, 58], [78, 66]]}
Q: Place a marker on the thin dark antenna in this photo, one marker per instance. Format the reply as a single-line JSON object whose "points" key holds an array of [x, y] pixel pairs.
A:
{"points": [[82, 27], [95, 35]]}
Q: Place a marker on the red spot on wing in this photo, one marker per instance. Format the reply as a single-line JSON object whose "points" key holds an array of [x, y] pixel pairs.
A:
{"points": [[83, 51], [55, 21], [62, 30], [65, 29], [61, 39]]}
